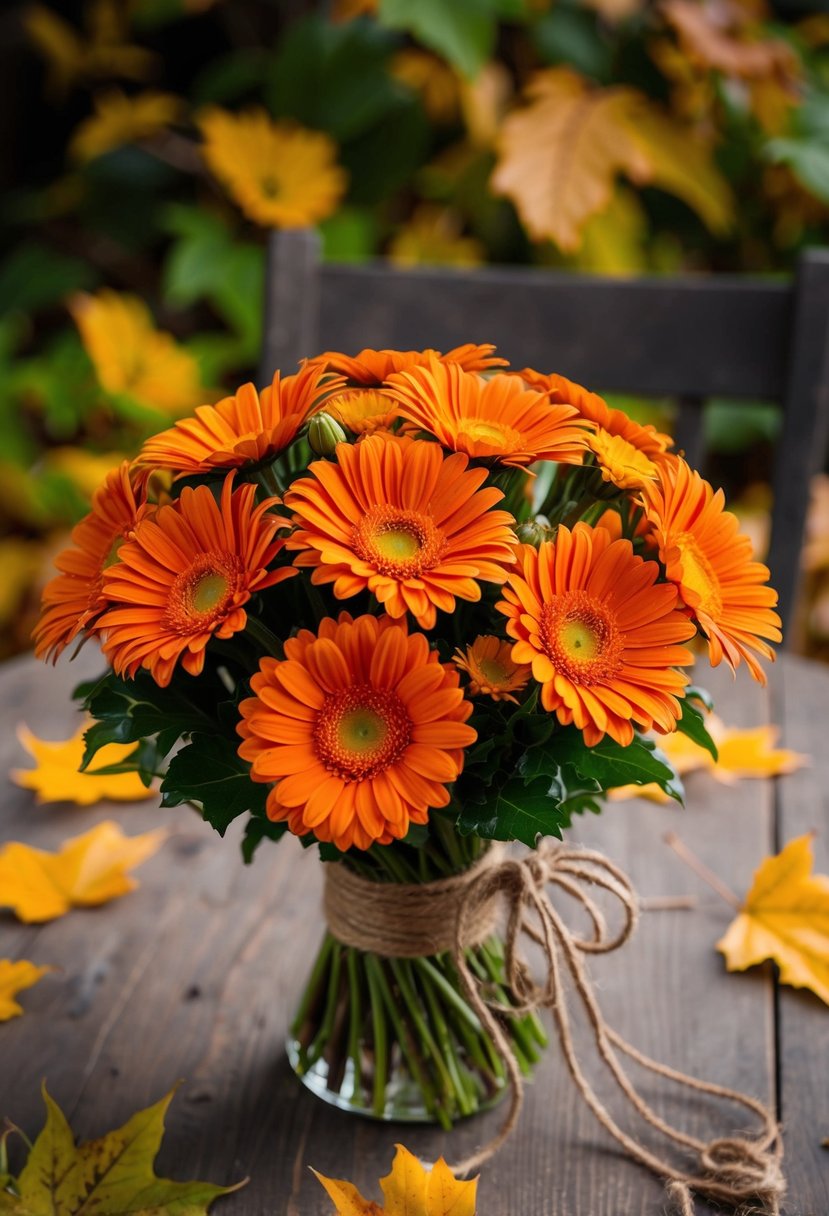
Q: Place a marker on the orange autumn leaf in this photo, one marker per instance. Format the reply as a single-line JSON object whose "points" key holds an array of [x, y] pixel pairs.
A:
{"points": [[785, 917], [720, 36], [409, 1190], [751, 753], [87, 870], [560, 154], [56, 776], [15, 975]]}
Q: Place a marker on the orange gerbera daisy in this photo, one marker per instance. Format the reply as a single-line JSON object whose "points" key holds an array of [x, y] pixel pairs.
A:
{"points": [[710, 561], [244, 429], [601, 634], [491, 669], [396, 517], [362, 410], [72, 601], [499, 419], [628, 454], [184, 577], [371, 368], [362, 728]]}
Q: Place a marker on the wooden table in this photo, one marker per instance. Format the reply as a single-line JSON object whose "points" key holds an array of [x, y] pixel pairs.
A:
{"points": [[193, 977]]}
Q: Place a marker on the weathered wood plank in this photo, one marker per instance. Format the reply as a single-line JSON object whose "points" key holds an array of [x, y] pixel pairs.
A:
{"points": [[701, 335], [801, 699], [194, 976]]}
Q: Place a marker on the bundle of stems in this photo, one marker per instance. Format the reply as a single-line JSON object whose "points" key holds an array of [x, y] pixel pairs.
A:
{"points": [[395, 1037]]}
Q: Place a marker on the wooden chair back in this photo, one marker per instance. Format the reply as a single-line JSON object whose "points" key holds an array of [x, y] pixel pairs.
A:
{"points": [[688, 337]]}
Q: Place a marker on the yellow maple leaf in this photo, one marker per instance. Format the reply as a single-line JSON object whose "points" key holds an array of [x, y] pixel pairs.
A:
{"points": [[409, 1190], [14, 977], [785, 917], [111, 1175], [57, 776], [751, 753], [560, 154], [87, 870]]}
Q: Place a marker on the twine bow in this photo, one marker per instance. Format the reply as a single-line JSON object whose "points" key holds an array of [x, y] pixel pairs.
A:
{"points": [[734, 1169], [396, 920]]}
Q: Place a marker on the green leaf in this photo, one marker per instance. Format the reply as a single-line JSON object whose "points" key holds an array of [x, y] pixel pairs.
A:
{"points": [[350, 235], [210, 771], [692, 724], [463, 32], [808, 161], [611, 765], [130, 710], [258, 829], [34, 276], [518, 811]]}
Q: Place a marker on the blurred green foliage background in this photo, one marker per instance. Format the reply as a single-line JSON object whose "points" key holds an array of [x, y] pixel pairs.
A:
{"points": [[606, 136]]}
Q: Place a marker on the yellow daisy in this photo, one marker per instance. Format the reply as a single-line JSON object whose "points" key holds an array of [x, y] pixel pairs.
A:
{"points": [[120, 120]]}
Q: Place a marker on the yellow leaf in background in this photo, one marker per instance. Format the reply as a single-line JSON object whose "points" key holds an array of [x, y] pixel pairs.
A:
{"points": [[432, 237], [409, 1190], [680, 164], [111, 1176], [56, 777], [120, 120], [101, 51], [751, 753], [785, 917], [431, 78], [21, 561], [14, 977], [560, 154], [87, 870], [484, 103], [650, 792], [86, 470], [131, 356], [614, 241]]}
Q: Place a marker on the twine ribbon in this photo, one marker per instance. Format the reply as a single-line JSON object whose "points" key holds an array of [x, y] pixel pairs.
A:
{"points": [[385, 918]]}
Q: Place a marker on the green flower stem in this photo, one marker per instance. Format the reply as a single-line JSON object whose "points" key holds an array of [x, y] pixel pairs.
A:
{"points": [[355, 1021], [464, 1085], [401, 969], [323, 1035], [380, 1039], [312, 988], [266, 641]]}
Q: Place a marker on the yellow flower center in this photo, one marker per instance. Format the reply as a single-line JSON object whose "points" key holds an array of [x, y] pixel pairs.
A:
{"points": [[269, 185], [621, 463], [201, 594], [581, 637], [361, 731], [493, 672], [398, 543], [699, 578], [480, 432]]}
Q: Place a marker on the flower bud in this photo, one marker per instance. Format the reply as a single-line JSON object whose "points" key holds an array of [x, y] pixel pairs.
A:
{"points": [[324, 433], [534, 531]]}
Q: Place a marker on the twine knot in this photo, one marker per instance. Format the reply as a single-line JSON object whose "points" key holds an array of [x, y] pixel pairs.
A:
{"points": [[459, 912]]}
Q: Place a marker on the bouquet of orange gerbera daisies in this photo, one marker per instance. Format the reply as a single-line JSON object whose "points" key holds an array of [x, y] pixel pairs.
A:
{"points": [[404, 605]]}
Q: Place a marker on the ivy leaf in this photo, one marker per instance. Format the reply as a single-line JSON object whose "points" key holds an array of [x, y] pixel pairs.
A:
{"points": [[610, 764], [210, 771], [130, 710], [112, 1176], [519, 811]]}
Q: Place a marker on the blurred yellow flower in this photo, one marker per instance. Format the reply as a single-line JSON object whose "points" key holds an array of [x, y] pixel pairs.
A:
{"points": [[131, 356], [280, 174], [120, 120], [101, 51], [86, 470], [431, 78], [56, 776], [433, 237]]}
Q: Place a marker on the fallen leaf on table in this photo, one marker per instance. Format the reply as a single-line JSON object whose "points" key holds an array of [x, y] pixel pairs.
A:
{"points": [[111, 1176], [409, 1190], [14, 977], [87, 870], [751, 753], [785, 917], [56, 776]]}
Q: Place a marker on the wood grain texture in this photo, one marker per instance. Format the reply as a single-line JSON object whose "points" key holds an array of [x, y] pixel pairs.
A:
{"points": [[801, 700], [194, 976]]}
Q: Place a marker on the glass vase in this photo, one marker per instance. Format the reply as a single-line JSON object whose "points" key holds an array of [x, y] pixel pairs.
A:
{"points": [[394, 1038]]}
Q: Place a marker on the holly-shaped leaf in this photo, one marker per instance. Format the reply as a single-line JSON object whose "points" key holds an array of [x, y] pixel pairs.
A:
{"points": [[518, 811], [56, 776], [14, 977], [210, 771], [112, 1176], [610, 764], [785, 917], [87, 870], [409, 1190]]}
